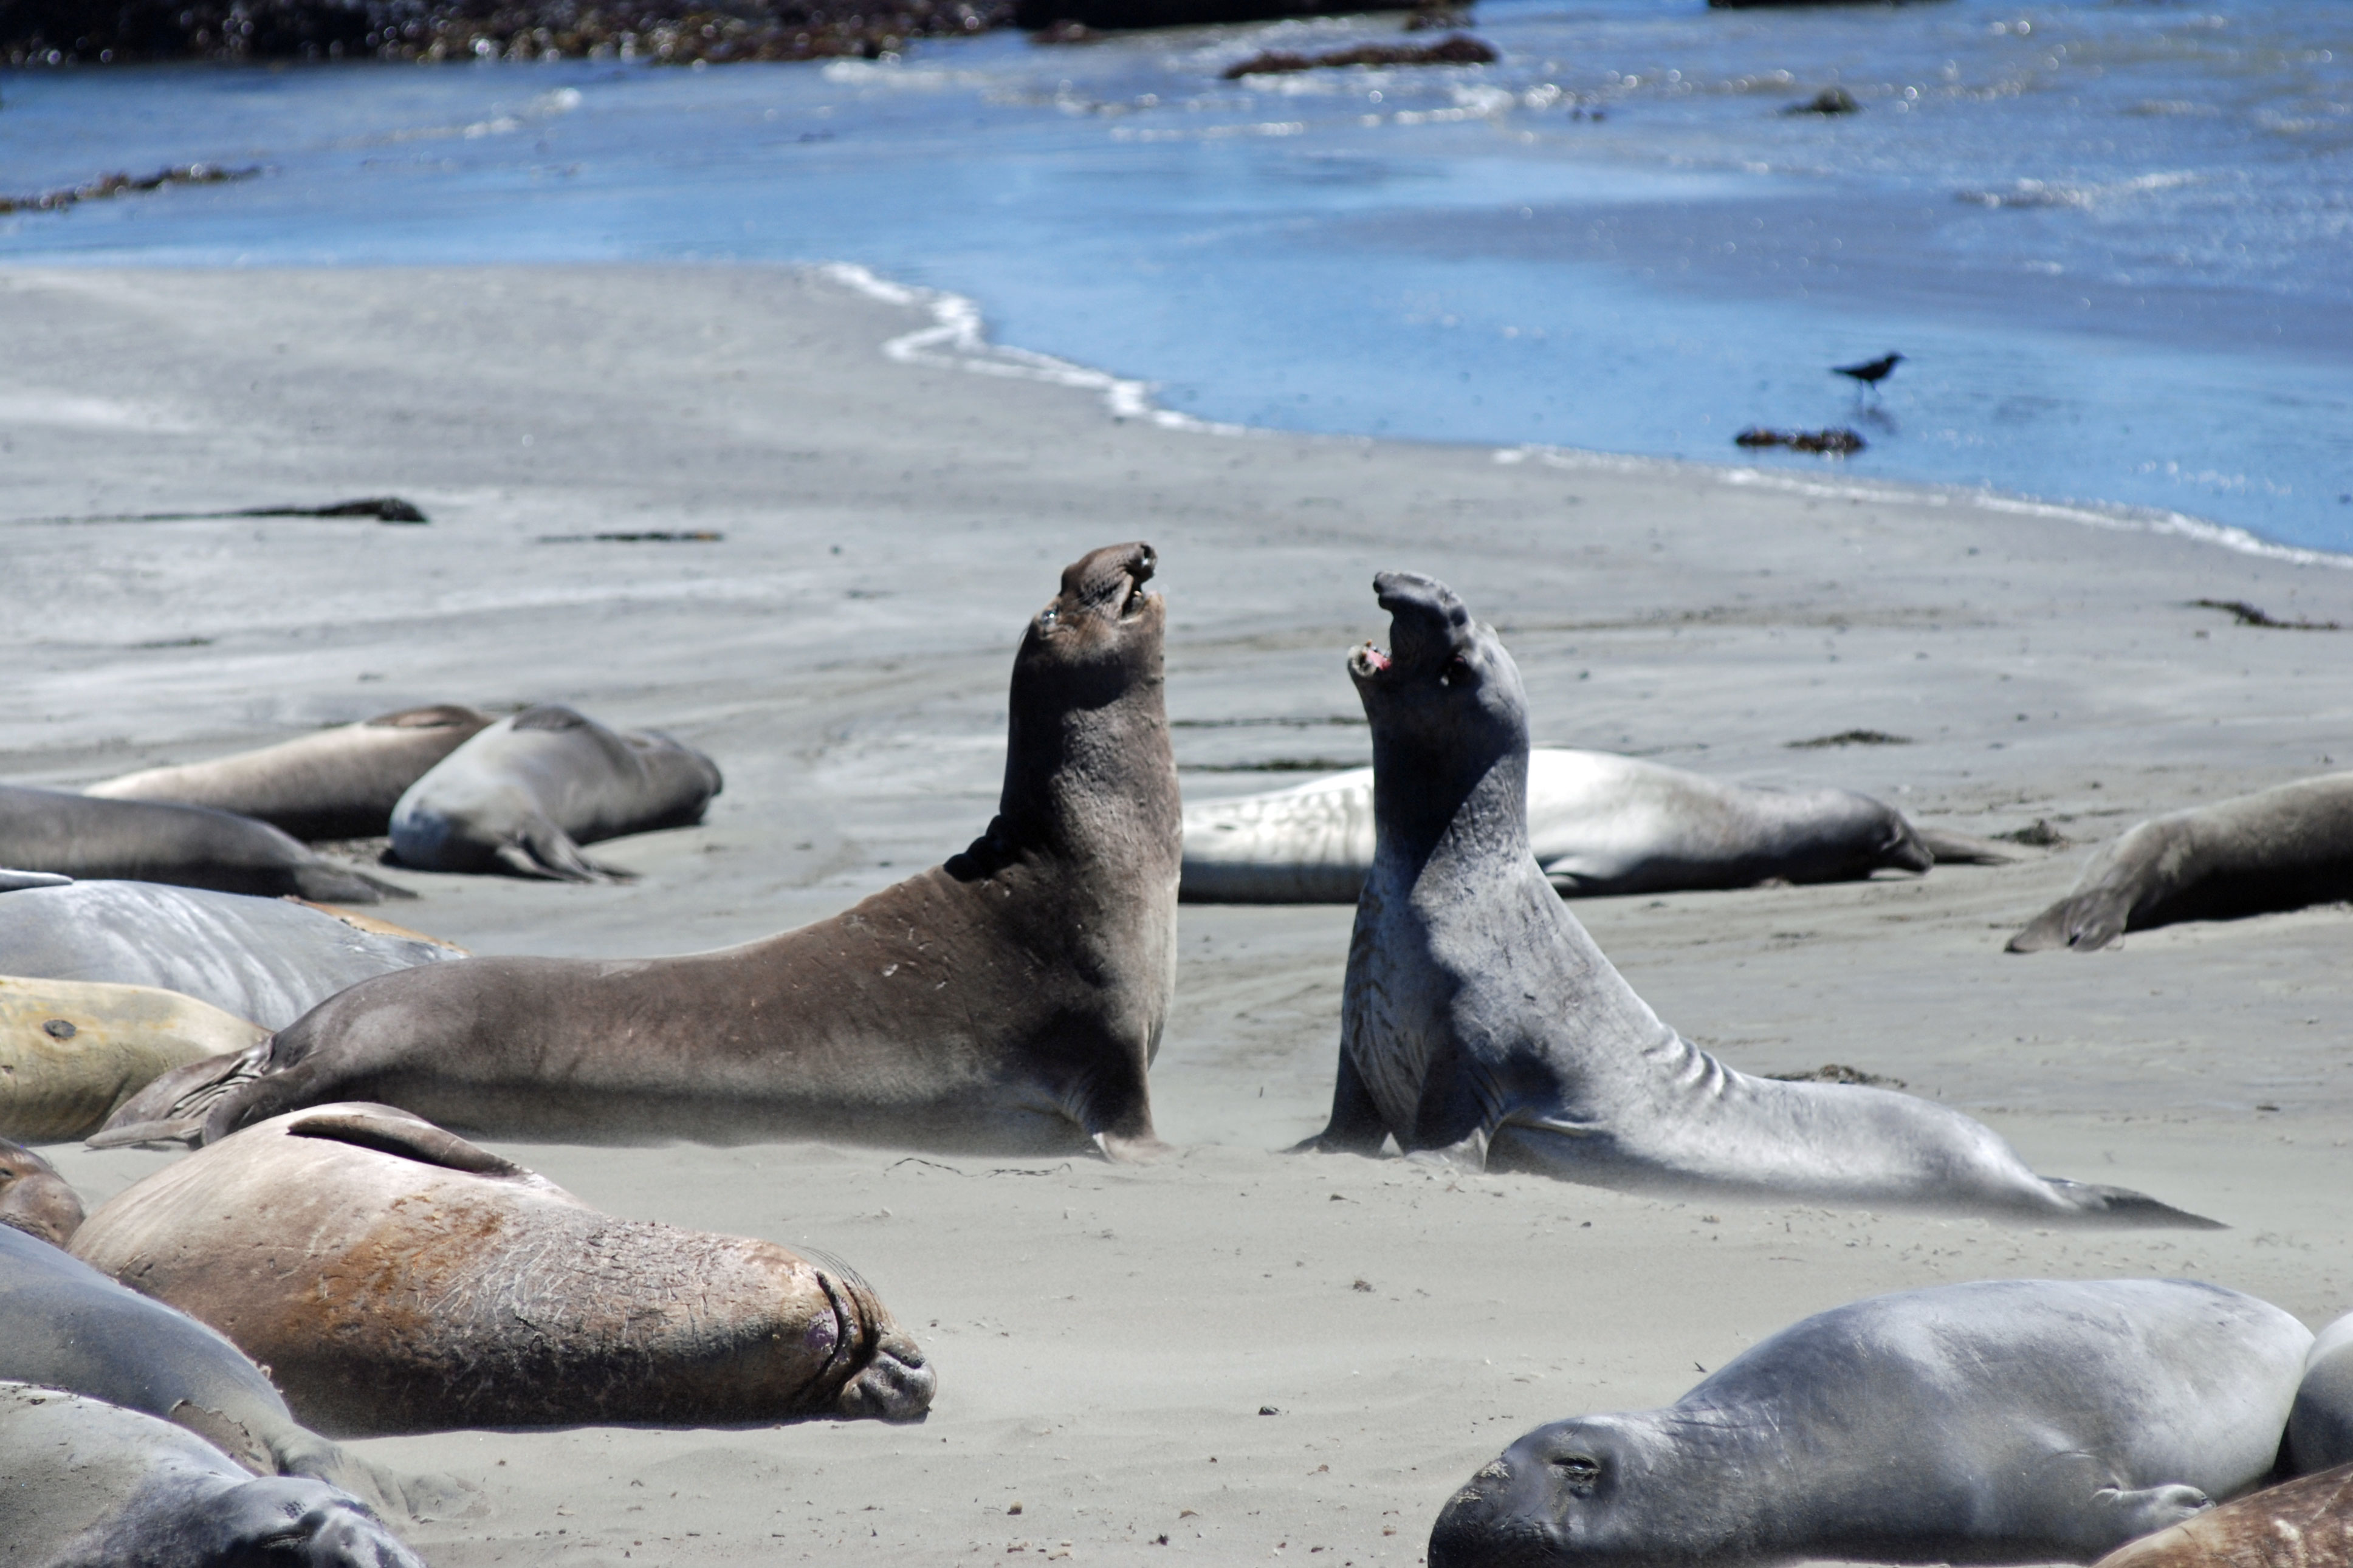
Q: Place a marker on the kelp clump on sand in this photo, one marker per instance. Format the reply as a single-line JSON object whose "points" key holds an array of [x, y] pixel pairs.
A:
{"points": [[58, 32]]}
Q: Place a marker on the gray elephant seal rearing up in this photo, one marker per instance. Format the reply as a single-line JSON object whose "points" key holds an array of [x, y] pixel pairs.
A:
{"points": [[526, 793], [1478, 1018], [2280, 849], [2007, 1421], [338, 784], [1010, 1001]]}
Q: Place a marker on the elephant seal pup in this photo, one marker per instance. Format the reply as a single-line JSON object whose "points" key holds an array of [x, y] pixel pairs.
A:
{"points": [[71, 1052], [1009, 1001], [270, 960], [2320, 1429], [2280, 849], [1599, 823], [65, 1325], [2007, 1421], [85, 1484], [338, 784], [312, 1238], [527, 792], [33, 1198], [1480, 1020], [73, 836], [2303, 1523]]}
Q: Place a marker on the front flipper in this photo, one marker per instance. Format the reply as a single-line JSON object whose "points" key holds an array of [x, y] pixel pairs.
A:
{"points": [[2085, 922], [543, 850], [2119, 1515], [172, 1109], [1356, 1127]]}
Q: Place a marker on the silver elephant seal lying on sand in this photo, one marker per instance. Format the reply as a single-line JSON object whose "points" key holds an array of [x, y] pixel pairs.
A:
{"points": [[1599, 823], [2282, 849], [526, 793], [93, 1486], [1479, 1020], [2320, 1431], [2007, 1421]]}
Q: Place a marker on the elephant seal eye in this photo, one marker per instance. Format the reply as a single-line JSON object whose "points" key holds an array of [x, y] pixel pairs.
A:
{"points": [[1578, 1472], [1456, 670], [1046, 617]]}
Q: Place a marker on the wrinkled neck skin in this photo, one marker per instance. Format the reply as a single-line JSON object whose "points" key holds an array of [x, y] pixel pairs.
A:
{"points": [[1465, 807], [1089, 774]]}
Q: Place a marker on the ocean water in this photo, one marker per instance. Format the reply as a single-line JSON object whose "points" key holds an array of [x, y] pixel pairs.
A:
{"points": [[2115, 240]]}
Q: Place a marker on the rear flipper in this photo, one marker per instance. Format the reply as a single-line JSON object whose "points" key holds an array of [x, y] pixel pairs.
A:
{"points": [[299, 1451], [542, 849], [329, 883], [2085, 921], [2123, 1206], [1950, 848], [172, 1109]]}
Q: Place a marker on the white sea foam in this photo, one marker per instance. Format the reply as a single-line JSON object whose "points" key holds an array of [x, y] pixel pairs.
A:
{"points": [[958, 339]]}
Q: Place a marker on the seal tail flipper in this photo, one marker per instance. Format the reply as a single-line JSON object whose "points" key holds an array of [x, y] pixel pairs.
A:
{"points": [[2084, 922], [1950, 848], [328, 883], [2123, 1206], [546, 851], [172, 1110]]}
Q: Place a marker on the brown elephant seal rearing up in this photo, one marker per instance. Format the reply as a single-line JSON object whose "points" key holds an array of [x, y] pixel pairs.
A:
{"points": [[1481, 1023], [338, 784], [1009, 1001], [2278, 849], [395, 1277]]}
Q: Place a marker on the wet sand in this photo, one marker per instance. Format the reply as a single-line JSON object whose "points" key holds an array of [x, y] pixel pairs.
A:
{"points": [[1107, 1337]]}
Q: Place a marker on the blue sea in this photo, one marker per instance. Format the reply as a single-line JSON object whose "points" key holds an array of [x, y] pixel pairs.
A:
{"points": [[2113, 240]]}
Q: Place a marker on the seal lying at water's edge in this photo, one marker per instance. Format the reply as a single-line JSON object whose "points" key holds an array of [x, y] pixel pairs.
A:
{"points": [[184, 846], [1009, 1001], [270, 960], [527, 792], [2005, 1421], [1598, 824], [339, 784], [33, 1198], [312, 1238], [1480, 1020], [2304, 1524], [2280, 849], [71, 1051], [85, 1484], [65, 1325]]}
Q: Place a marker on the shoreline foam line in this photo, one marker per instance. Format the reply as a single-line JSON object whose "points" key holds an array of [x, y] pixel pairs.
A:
{"points": [[958, 339]]}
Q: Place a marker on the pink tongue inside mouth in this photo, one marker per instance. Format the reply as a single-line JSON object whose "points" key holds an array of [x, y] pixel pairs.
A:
{"points": [[1374, 657]]}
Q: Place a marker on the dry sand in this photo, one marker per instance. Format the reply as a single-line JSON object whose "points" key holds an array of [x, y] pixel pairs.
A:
{"points": [[1106, 1336]]}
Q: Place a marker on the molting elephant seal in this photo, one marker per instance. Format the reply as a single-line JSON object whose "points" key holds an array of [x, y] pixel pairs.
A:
{"points": [[1479, 1019], [71, 1052], [1009, 1001], [312, 1239], [2007, 1421], [2303, 1523]]}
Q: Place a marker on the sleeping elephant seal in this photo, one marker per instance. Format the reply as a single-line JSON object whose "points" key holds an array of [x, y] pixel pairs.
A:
{"points": [[2281, 850], [72, 1052], [1598, 824], [73, 836], [270, 960], [338, 784], [65, 1325], [2303, 1523], [2007, 1421], [312, 1239], [1480, 1020], [84, 1484], [526, 793], [1009, 1001], [2320, 1429], [33, 1198]]}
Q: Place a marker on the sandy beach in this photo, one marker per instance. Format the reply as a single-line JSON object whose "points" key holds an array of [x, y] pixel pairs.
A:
{"points": [[1231, 1353]]}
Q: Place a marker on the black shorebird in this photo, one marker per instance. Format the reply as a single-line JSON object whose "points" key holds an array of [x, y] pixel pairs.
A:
{"points": [[1871, 373]]}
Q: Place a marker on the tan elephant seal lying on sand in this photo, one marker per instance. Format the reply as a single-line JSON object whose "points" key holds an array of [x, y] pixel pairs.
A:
{"points": [[91, 1485], [338, 784], [2281, 850], [314, 1239], [2004, 1421], [1009, 1001], [71, 1052], [526, 793], [2303, 1523], [1598, 824], [1481, 1023]]}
